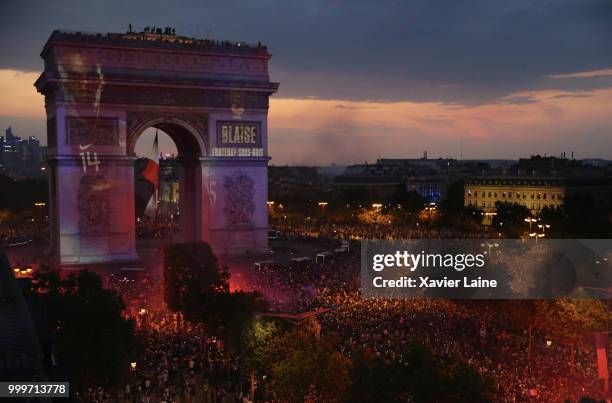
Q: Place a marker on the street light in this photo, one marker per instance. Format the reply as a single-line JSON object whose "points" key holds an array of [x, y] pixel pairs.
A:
{"points": [[133, 365], [530, 220]]}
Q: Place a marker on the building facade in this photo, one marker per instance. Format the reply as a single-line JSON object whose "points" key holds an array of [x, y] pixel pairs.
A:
{"points": [[533, 193]]}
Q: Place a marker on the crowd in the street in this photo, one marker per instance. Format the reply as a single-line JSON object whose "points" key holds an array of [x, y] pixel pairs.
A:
{"points": [[481, 338], [182, 364], [326, 230], [30, 229], [156, 227]]}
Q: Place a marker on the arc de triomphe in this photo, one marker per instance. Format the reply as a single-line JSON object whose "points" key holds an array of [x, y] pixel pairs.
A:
{"points": [[103, 90]]}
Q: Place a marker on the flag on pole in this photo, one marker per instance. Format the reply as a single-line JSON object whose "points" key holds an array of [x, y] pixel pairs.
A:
{"points": [[151, 174]]}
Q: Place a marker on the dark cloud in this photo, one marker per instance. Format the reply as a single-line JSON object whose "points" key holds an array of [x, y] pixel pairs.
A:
{"points": [[519, 100], [464, 52]]}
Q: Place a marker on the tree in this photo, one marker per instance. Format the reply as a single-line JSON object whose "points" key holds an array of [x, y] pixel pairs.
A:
{"points": [[510, 219], [453, 203], [413, 202], [192, 277], [231, 313], [420, 377], [198, 287], [557, 221], [571, 320], [298, 364], [94, 342], [586, 216], [259, 348], [314, 369], [374, 379]]}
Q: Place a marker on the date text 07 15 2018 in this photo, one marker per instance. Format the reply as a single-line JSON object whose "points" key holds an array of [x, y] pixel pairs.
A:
{"points": [[34, 389]]}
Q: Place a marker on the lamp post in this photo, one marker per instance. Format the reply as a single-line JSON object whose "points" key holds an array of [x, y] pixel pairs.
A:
{"points": [[537, 235], [530, 220]]}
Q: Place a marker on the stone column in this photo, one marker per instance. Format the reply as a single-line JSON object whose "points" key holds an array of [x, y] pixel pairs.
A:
{"points": [[92, 190]]}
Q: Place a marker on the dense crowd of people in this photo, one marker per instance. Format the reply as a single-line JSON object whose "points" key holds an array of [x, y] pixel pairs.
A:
{"points": [[182, 364], [324, 230], [23, 230], [156, 227], [483, 339]]}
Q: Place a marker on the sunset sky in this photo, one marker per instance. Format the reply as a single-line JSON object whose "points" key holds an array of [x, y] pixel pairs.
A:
{"points": [[367, 79]]}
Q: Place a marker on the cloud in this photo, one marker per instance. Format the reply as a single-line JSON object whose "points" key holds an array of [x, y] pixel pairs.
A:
{"points": [[584, 74], [323, 131], [544, 122], [514, 100], [469, 53]]}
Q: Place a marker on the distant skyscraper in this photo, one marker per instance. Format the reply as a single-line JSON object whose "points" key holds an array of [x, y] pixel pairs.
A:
{"points": [[9, 135]]}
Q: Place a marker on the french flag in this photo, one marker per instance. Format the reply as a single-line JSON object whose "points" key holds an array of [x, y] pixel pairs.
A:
{"points": [[151, 174]]}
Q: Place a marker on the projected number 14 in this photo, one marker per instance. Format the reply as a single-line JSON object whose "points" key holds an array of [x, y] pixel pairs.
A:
{"points": [[89, 159]]}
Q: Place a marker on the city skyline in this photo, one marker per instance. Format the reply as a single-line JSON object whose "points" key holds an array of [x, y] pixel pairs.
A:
{"points": [[395, 79]]}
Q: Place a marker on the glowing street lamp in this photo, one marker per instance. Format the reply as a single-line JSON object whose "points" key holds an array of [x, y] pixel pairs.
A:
{"points": [[376, 205], [530, 220], [322, 204], [133, 365]]}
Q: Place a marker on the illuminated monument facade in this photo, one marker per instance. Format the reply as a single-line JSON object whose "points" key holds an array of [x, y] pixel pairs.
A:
{"points": [[103, 90]]}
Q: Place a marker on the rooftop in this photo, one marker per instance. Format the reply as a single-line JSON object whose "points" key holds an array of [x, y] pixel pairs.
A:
{"points": [[155, 38]]}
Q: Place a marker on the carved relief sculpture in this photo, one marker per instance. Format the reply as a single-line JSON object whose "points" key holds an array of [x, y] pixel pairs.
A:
{"points": [[91, 130], [239, 198], [93, 202]]}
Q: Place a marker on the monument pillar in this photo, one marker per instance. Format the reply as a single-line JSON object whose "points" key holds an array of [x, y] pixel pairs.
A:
{"points": [[92, 188]]}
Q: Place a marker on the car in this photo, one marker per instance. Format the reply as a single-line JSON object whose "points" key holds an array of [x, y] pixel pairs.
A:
{"points": [[274, 234], [320, 258]]}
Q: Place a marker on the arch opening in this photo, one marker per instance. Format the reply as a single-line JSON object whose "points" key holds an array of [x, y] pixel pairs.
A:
{"points": [[166, 183], [187, 140]]}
